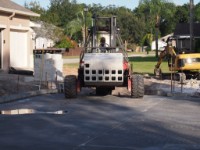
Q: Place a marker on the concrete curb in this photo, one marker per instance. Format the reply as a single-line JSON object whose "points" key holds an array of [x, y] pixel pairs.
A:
{"points": [[14, 97]]}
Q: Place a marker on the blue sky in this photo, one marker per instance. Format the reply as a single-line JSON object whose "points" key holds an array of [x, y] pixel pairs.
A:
{"points": [[127, 3]]}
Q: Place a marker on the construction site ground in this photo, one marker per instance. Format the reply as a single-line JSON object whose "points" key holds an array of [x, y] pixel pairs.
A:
{"points": [[155, 86], [14, 84]]}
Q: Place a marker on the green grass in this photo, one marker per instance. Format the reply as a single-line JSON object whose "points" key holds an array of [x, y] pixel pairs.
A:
{"points": [[131, 53], [72, 65], [70, 57], [147, 64], [140, 65]]}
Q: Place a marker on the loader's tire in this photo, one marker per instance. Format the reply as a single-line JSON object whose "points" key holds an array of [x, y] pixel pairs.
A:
{"points": [[137, 86], [70, 86]]}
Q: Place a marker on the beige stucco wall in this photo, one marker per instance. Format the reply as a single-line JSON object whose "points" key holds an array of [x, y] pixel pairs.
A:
{"points": [[17, 23]]}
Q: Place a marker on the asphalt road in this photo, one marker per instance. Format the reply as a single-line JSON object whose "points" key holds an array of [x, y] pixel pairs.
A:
{"points": [[92, 122]]}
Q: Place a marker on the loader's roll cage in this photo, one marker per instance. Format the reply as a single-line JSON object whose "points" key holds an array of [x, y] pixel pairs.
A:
{"points": [[106, 27]]}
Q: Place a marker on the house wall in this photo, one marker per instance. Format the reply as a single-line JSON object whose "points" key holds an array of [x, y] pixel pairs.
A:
{"points": [[43, 43], [19, 24], [161, 45], [5, 41], [0, 48]]}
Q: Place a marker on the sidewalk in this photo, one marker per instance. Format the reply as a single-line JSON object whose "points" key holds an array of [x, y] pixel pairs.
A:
{"points": [[14, 97]]}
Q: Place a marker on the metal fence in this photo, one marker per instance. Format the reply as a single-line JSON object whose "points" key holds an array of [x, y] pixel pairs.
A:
{"points": [[15, 84]]}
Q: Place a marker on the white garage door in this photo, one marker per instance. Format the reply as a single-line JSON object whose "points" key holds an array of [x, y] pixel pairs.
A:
{"points": [[18, 49], [0, 49]]}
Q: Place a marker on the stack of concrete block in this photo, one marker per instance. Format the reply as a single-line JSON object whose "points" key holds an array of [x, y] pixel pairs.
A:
{"points": [[48, 67]]}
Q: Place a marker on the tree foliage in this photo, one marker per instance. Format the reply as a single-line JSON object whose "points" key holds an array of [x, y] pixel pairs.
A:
{"points": [[35, 7], [135, 25], [197, 12], [66, 42]]}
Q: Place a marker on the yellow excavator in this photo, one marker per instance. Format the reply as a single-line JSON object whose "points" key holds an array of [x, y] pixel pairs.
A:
{"points": [[184, 63]]}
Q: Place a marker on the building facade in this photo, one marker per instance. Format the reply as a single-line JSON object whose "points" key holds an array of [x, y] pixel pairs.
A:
{"points": [[16, 39]]}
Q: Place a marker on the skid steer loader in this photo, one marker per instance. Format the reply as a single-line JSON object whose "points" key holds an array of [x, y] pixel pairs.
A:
{"points": [[104, 63]]}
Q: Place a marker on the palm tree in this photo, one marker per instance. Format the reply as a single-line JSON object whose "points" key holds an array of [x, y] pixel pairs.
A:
{"points": [[78, 24], [155, 9], [147, 41]]}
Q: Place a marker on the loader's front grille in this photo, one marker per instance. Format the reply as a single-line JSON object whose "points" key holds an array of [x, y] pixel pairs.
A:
{"points": [[100, 71], [87, 65], [93, 71], [113, 78], [87, 72], [106, 71], [103, 75], [120, 71], [120, 78], [113, 72]]}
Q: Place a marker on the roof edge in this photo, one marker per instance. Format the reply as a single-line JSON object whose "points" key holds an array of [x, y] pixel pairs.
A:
{"points": [[20, 12]]}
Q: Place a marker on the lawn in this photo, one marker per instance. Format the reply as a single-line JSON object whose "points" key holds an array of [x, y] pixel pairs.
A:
{"points": [[147, 64], [70, 57], [71, 65], [140, 65], [140, 53]]}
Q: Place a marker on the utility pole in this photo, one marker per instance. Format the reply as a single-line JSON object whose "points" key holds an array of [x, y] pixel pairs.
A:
{"points": [[157, 28], [191, 24], [85, 15]]}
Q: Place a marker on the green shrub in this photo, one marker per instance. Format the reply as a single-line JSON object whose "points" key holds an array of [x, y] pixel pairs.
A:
{"points": [[65, 43]]}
